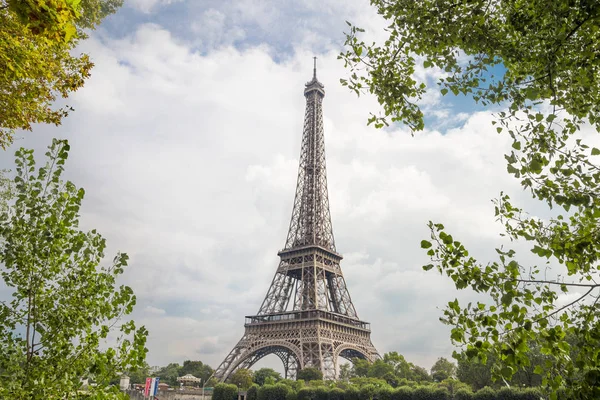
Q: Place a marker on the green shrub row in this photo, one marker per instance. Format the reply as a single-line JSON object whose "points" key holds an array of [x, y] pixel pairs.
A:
{"points": [[370, 392]]}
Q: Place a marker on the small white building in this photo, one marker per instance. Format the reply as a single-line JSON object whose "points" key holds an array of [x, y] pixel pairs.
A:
{"points": [[124, 383], [189, 380]]}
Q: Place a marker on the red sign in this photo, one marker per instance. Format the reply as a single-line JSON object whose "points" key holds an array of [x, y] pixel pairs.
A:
{"points": [[147, 388]]}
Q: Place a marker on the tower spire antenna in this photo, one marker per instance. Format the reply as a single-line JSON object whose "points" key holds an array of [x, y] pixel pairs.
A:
{"points": [[315, 68]]}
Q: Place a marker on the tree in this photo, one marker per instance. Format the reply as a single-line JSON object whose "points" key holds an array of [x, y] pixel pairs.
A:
{"points": [[242, 378], [140, 374], [169, 374], [379, 369], [443, 369], [526, 376], [419, 374], [64, 303], [453, 386], [401, 366], [310, 374], [197, 369], [360, 367], [474, 373], [345, 372], [293, 384], [37, 39], [360, 382], [264, 373], [391, 379], [546, 91]]}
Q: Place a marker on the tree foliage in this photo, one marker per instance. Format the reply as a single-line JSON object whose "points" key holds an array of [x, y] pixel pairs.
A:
{"points": [[242, 378], [546, 91], [64, 303], [474, 373], [443, 369], [393, 369], [379, 369], [197, 369], [137, 375], [169, 374], [310, 374], [37, 64], [345, 372], [262, 374]]}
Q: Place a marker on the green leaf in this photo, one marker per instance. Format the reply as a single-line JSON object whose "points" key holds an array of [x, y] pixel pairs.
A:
{"points": [[425, 244], [507, 299], [507, 372]]}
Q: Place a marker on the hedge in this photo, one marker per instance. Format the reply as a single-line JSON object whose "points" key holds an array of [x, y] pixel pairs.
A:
{"points": [[252, 393], [463, 394], [274, 392], [280, 391], [225, 391]]}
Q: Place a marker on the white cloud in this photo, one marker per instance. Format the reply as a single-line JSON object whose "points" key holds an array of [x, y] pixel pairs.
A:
{"points": [[154, 310], [148, 6], [214, 31]]}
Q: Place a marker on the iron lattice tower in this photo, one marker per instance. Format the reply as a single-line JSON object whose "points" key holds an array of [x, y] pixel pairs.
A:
{"points": [[307, 317]]}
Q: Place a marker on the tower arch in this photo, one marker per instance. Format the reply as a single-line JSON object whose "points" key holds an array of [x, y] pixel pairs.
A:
{"points": [[350, 351], [288, 353]]}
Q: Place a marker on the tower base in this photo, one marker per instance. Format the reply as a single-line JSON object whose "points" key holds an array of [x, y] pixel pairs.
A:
{"points": [[313, 338]]}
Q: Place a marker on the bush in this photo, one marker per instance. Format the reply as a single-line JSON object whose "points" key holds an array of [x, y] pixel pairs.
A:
{"points": [[252, 392], [264, 392], [306, 393], [424, 393], [361, 381], [441, 394], [384, 393], [367, 392], [351, 394], [452, 385], [291, 395], [336, 394], [292, 384], [463, 394], [321, 393], [225, 391], [487, 393], [406, 382], [273, 392], [529, 394], [508, 393], [403, 393]]}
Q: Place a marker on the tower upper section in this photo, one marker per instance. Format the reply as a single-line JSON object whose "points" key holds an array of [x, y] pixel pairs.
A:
{"points": [[310, 224]]}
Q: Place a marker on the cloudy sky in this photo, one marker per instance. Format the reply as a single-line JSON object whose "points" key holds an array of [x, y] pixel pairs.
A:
{"points": [[186, 139]]}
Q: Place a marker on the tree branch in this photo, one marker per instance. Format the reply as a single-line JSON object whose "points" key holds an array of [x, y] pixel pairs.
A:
{"points": [[590, 285]]}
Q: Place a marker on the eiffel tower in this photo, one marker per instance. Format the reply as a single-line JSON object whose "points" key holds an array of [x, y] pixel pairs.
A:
{"points": [[307, 317]]}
